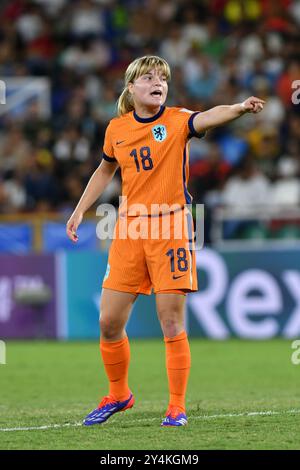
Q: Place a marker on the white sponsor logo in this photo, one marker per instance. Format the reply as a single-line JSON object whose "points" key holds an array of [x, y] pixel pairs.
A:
{"points": [[248, 315]]}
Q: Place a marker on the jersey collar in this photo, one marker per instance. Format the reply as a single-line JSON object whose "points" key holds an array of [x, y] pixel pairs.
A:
{"points": [[150, 119]]}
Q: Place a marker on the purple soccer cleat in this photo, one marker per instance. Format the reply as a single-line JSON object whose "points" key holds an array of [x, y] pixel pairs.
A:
{"points": [[106, 408], [174, 417]]}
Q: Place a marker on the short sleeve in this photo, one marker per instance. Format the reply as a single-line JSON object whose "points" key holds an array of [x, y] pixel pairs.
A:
{"points": [[108, 150], [193, 132], [187, 117]]}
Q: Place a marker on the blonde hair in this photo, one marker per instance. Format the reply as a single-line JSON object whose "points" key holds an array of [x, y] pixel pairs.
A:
{"points": [[134, 70]]}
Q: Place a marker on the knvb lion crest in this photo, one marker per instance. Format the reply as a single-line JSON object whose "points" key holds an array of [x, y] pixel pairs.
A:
{"points": [[159, 132]]}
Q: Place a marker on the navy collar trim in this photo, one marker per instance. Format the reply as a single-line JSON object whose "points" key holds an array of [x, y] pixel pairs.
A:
{"points": [[150, 119]]}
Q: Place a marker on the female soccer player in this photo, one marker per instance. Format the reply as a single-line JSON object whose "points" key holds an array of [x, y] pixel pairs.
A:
{"points": [[149, 142]]}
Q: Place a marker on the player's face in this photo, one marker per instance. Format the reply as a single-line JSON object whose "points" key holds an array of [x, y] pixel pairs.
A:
{"points": [[150, 89]]}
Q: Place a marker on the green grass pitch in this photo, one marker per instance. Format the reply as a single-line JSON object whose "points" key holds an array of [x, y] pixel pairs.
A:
{"points": [[52, 383]]}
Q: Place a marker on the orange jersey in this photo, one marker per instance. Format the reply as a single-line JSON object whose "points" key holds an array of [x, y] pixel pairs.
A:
{"points": [[153, 157]]}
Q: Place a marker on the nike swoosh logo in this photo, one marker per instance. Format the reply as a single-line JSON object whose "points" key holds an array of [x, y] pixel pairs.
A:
{"points": [[120, 142], [177, 277]]}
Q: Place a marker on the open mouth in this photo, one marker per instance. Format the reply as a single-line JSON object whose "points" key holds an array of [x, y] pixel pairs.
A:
{"points": [[156, 93]]}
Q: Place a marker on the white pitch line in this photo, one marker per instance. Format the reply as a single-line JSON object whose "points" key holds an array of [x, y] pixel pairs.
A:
{"points": [[38, 428], [203, 417]]}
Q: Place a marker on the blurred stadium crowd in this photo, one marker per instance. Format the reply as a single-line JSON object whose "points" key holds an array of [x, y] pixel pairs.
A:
{"points": [[220, 52]]}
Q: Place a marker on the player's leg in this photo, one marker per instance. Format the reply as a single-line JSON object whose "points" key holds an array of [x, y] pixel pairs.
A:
{"points": [[172, 271], [126, 276], [115, 309], [170, 310], [114, 347]]}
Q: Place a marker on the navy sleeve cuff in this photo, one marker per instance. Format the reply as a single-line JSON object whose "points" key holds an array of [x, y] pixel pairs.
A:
{"points": [[108, 159], [193, 132]]}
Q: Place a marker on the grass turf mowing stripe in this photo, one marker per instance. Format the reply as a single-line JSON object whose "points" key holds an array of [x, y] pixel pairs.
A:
{"points": [[203, 417]]}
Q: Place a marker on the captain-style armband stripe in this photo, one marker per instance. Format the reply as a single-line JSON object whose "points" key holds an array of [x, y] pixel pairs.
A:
{"points": [[108, 159], [193, 132]]}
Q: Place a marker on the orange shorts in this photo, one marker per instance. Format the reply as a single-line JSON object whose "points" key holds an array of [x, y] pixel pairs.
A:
{"points": [[152, 252]]}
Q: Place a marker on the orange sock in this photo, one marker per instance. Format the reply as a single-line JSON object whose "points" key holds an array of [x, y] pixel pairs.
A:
{"points": [[178, 361], [116, 357]]}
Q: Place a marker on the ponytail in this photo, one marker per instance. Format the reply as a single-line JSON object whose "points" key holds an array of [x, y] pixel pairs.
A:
{"points": [[125, 103]]}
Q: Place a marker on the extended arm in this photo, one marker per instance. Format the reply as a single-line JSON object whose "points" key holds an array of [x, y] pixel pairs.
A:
{"points": [[223, 114], [95, 187]]}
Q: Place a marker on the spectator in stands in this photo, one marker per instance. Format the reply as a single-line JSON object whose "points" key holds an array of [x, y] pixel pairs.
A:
{"points": [[12, 193], [247, 189], [286, 190], [245, 193], [209, 173], [220, 51]]}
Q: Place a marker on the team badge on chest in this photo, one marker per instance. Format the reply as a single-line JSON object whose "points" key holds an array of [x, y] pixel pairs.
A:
{"points": [[159, 132]]}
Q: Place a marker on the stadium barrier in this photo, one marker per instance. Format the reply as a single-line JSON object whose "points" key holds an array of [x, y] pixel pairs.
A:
{"points": [[16, 238], [255, 224], [246, 293], [45, 232]]}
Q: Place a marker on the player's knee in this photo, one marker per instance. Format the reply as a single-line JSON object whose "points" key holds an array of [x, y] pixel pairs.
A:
{"points": [[171, 327], [109, 329]]}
